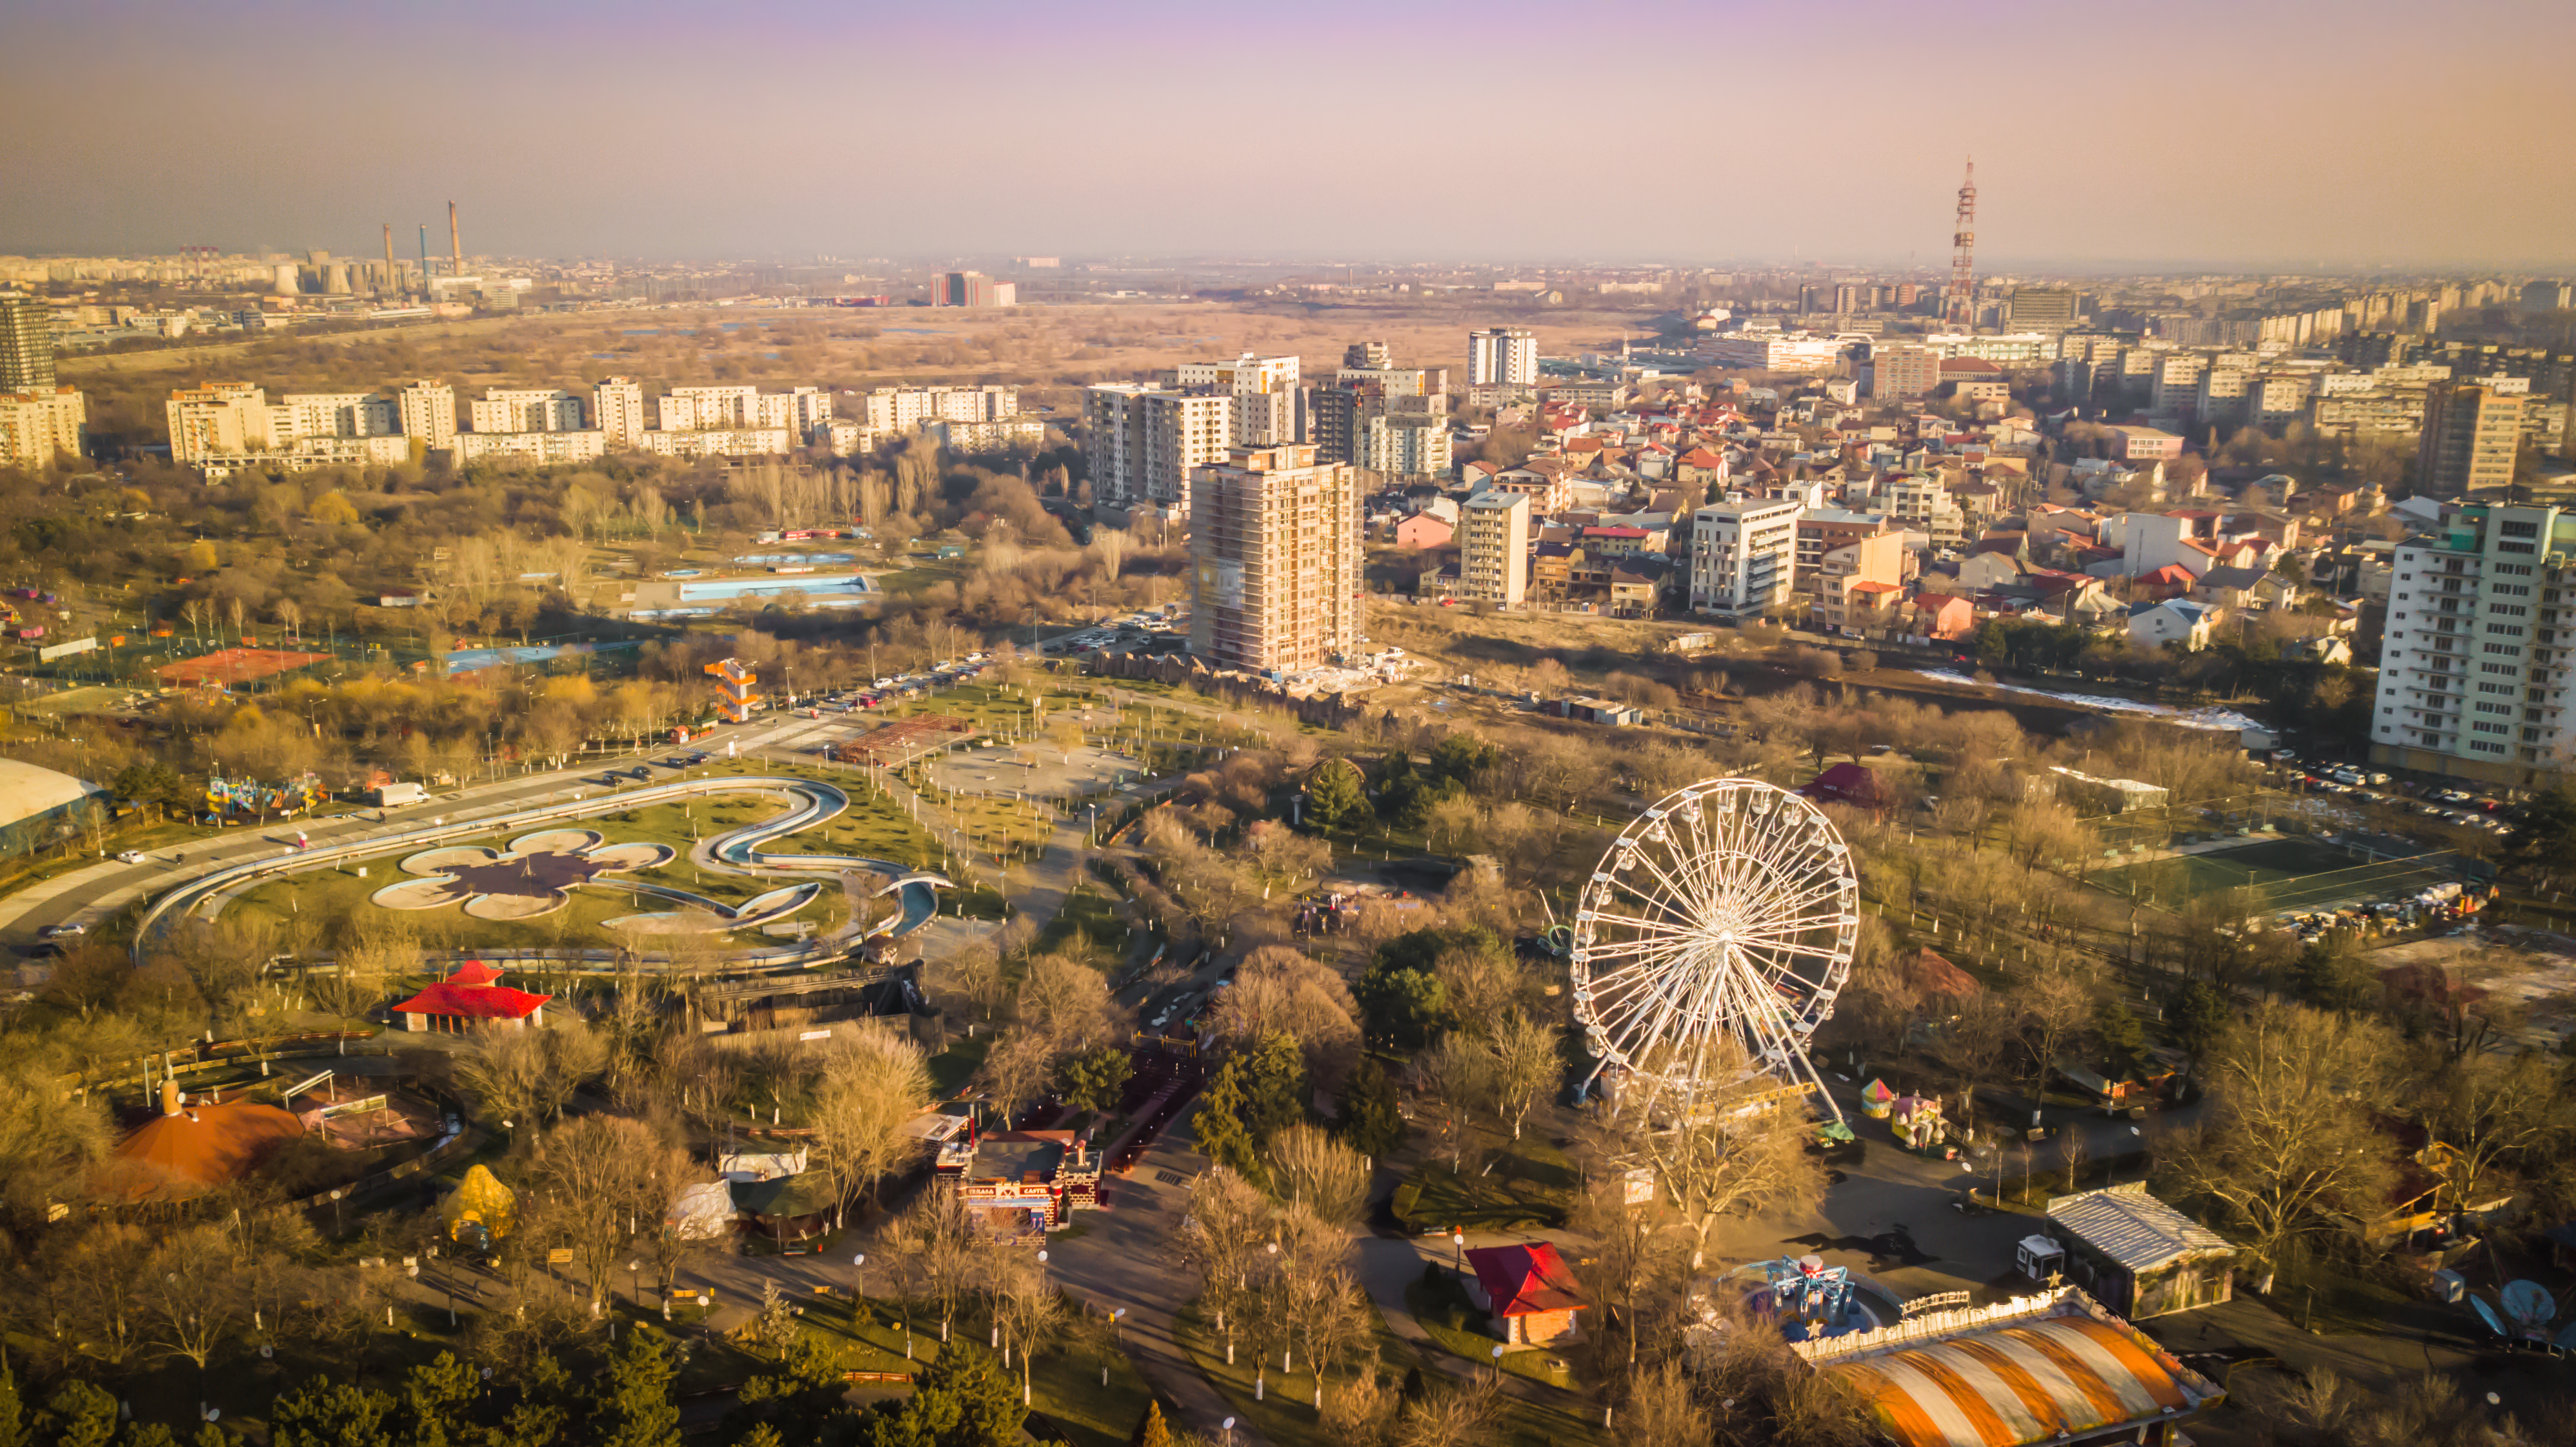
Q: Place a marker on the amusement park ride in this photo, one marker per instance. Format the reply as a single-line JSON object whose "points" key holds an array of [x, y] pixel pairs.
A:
{"points": [[1710, 943]]}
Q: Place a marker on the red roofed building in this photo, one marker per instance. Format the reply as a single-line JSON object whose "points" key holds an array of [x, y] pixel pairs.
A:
{"points": [[470, 997], [1529, 1291], [1846, 783]]}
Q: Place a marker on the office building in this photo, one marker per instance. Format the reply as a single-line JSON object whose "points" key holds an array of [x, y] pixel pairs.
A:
{"points": [[617, 410], [428, 412], [2472, 436], [26, 344], [2476, 676], [972, 288], [1505, 356], [525, 409], [1743, 557], [1493, 548], [900, 409], [35, 426], [1275, 560], [1143, 443], [1900, 372]]}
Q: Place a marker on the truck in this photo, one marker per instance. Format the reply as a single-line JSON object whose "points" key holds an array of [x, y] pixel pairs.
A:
{"points": [[387, 796]]}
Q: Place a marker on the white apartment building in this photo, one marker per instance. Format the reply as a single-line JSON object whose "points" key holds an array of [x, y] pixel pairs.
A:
{"points": [[525, 409], [582, 445], [35, 425], [303, 454], [1143, 443], [218, 419], [2478, 675], [1275, 560], [999, 435], [617, 410], [2177, 382], [1264, 389], [339, 414], [427, 411], [692, 409], [845, 437], [1921, 503], [1494, 548], [1502, 356], [900, 409], [718, 442], [2275, 400], [1744, 557]]}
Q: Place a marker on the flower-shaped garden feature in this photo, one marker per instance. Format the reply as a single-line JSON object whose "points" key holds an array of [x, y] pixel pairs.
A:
{"points": [[534, 877]]}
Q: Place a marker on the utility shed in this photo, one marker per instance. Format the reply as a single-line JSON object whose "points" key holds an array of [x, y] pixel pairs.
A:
{"points": [[2139, 1256]]}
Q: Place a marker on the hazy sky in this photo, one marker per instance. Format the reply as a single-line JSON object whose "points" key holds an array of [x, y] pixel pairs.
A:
{"points": [[2252, 133]]}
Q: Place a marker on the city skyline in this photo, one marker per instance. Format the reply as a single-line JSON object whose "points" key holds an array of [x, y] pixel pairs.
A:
{"points": [[1838, 138]]}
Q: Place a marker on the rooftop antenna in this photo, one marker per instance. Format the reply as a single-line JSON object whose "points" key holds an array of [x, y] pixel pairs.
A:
{"points": [[1963, 255]]}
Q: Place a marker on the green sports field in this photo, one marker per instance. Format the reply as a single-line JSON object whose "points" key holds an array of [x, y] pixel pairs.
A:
{"points": [[2285, 874]]}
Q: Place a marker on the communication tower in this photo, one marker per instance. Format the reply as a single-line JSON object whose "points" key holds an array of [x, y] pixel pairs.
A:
{"points": [[1962, 309]]}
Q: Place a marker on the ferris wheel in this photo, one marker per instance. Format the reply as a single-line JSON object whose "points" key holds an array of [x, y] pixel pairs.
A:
{"points": [[1725, 913]]}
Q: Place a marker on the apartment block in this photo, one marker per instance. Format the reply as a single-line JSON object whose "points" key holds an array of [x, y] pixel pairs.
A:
{"points": [[1493, 548], [525, 409], [1144, 442], [694, 409], [574, 445], [339, 414], [427, 411], [26, 344], [218, 419], [2177, 382], [900, 409], [617, 410], [2477, 678], [1900, 372], [719, 441], [1743, 557], [2472, 435], [1502, 355], [34, 426], [999, 435], [1267, 397], [972, 288], [1275, 560]]}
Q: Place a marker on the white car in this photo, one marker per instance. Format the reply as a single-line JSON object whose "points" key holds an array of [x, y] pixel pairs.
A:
{"points": [[130, 856], [61, 931]]}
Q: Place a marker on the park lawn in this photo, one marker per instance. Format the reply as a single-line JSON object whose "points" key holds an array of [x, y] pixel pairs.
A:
{"points": [[951, 1068], [1064, 1382], [1089, 924], [1529, 1183], [1286, 1414], [1451, 1320]]}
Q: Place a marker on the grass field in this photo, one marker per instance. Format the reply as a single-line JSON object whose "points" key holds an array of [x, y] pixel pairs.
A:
{"points": [[2285, 874]]}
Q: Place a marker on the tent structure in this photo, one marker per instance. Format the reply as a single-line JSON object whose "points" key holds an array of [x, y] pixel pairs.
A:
{"points": [[469, 997], [703, 1212], [196, 1148], [480, 1211]]}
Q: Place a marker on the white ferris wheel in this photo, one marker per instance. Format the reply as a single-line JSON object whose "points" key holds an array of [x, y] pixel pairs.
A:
{"points": [[1727, 912]]}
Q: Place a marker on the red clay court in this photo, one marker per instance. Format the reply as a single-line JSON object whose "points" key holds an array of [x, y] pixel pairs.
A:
{"points": [[903, 741], [235, 665]]}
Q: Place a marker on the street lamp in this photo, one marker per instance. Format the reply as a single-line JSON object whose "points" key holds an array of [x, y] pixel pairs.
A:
{"points": [[1458, 1240], [1498, 1363], [858, 1287]]}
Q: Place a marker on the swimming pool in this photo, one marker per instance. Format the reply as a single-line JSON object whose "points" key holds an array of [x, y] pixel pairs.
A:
{"points": [[818, 586], [790, 560]]}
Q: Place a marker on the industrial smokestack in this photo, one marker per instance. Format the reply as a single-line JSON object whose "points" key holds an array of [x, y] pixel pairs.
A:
{"points": [[388, 286], [455, 246]]}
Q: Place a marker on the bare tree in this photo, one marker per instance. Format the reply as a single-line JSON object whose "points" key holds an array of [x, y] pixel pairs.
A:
{"points": [[1015, 1073], [1734, 1150], [1524, 1066], [871, 1088], [1228, 1225], [603, 1179], [1319, 1173], [934, 1255], [2284, 1144]]}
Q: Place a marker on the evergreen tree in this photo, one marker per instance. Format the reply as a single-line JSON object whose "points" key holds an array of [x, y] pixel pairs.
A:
{"points": [[544, 1408], [438, 1402], [1094, 1079], [1153, 1431], [633, 1407], [1400, 1004], [961, 1400], [2199, 1014], [78, 1414], [1335, 793], [148, 1434], [1371, 1123], [1222, 1135], [793, 1402], [2123, 1038], [1275, 1091], [210, 1435], [15, 1430], [330, 1414]]}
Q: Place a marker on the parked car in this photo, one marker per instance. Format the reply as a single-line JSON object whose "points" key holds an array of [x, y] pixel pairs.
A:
{"points": [[61, 931]]}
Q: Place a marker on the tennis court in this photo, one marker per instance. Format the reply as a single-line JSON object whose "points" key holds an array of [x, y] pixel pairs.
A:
{"points": [[235, 665], [2284, 874]]}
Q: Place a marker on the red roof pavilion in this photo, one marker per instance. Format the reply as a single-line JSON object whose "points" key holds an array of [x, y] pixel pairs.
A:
{"points": [[469, 996]]}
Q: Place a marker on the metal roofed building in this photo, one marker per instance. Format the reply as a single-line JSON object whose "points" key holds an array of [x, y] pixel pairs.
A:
{"points": [[2140, 1256], [2055, 1367], [41, 807]]}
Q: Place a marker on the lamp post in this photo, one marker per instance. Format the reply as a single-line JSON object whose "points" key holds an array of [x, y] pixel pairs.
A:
{"points": [[1458, 1241], [1498, 1363], [858, 1287]]}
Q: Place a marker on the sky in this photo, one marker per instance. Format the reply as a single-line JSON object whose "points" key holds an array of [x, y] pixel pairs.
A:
{"points": [[2259, 134]]}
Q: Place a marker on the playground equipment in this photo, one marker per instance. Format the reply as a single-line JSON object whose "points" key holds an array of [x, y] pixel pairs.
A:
{"points": [[734, 683], [249, 796], [1809, 1299]]}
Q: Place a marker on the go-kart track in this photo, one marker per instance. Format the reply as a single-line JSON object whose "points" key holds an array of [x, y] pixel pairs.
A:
{"points": [[736, 851]]}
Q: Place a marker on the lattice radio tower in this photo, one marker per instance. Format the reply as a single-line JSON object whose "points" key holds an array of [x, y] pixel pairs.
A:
{"points": [[1962, 311]]}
